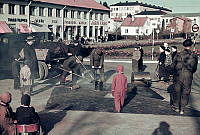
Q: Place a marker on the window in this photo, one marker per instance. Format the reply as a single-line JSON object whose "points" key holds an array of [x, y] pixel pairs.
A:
{"points": [[137, 31], [41, 11], [11, 9], [91, 14], [96, 16], [72, 13], [166, 20], [101, 16], [85, 15], [65, 13], [1, 8], [50, 13], [32, 10], [79, 14], [22, 9], [126, 30], [158, 19], [57, 12]]}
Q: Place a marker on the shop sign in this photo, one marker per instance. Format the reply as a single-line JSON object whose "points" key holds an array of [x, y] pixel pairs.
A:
{"points": [[98, 23], [16, 20]]}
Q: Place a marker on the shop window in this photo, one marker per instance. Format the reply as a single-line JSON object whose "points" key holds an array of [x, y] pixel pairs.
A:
{"points": [[41, 11], [11, 9], [57, 12], [101, 16], [65, 13], [1, 8], [50, 13], [32, 10], [79, 14], [22, 9]]}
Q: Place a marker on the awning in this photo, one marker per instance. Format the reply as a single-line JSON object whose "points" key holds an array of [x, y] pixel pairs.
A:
{"points": [[23, 28], [39, 28], [4, 28]]}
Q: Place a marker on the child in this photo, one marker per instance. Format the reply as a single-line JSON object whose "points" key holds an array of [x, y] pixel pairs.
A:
{"points": [[26, 79], [25, 114], [6, 115], [119, 88]]}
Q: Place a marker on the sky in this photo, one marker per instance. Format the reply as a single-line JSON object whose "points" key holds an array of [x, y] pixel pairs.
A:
{"points": [[177, 6]]}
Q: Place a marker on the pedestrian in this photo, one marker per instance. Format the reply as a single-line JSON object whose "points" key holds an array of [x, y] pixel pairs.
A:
{"points": [[174, 51], [25, 113], [16, 72], [135, 59], [97, 63], [7, 116], [184, 65], [28, 53], [140, 61], [161, 63], [167, 64], [119, 88], [71, 66], [26, 78]]}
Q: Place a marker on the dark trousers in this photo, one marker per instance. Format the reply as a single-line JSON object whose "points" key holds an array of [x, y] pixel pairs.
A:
{"points": [[161, 71], [182, 89], [101, 71], [140, 65]]}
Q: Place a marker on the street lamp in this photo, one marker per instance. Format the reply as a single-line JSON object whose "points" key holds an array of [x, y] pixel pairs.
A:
{"points": [[152, 51]]}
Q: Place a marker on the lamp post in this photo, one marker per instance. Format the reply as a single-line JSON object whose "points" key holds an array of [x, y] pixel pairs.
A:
{"points": [[152, 51]]}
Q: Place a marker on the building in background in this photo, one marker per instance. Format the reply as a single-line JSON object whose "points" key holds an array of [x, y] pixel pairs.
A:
{"points": [[123, 9], [52, 19]]}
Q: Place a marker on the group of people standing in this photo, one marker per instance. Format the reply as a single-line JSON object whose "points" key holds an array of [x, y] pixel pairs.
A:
{"points": [[181, 66]]}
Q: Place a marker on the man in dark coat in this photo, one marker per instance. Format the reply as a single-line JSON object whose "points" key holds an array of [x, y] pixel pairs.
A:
{"points": [[28, 53], [140, 61], [16, 71], [97, 63], [161, 62], [184, 64], [174, 51]]}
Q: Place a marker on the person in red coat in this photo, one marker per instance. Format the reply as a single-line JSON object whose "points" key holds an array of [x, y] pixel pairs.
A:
{"points": [[119, 88]]}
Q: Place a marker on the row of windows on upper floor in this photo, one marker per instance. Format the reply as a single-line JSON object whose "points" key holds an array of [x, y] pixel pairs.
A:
{"points": [[67, 13], [122, 8]]}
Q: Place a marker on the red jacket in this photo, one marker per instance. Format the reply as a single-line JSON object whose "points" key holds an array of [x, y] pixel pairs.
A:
{"points": [[119, 83]]}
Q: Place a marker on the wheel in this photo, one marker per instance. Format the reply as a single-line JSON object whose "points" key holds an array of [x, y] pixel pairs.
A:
{"points": [[43, 70], [45, 67]]}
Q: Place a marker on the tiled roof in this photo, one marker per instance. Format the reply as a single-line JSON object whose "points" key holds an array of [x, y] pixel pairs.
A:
{"points": [[91, 4], [151, 13], [183, 18], [138, 21], [182, 14], [140, 4]]}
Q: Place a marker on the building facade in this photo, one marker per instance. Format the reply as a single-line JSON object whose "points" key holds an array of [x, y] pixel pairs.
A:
{"points": [[122, 10], [55, 19]]}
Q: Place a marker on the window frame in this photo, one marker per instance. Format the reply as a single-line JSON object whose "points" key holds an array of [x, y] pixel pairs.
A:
{"points": [[11, 9]]}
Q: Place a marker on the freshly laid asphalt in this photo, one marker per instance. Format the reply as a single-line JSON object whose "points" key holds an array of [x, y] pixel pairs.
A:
{"points": [[88, 112]]}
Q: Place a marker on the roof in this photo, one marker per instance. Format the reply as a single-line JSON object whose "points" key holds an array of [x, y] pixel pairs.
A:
{"points": [[151, 13], [182, 18], [4, 28], [140, 4], [182, 14], [91, 4], [138, 21]]}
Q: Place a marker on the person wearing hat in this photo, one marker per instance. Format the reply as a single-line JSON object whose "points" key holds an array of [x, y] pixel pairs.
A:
{"points": [[174, 51], [28, 53], [184, 65], [119, 88], [161, 62], [7, 116], [97, 63], [25, 78], [135, 59], [25, 114]]}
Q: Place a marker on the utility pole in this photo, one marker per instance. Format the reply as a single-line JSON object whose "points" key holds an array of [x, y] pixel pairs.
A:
{"points": [[152, 45]]}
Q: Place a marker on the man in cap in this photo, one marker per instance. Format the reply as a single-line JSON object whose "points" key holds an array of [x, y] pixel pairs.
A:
{"points": [[135, 59], [6, 115], [28, 53], [184, 65], [97, 63]]}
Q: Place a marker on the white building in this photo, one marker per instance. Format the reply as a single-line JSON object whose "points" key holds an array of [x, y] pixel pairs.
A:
{"points": [[114, 25], [155, 18], [137, 26], [122, 10], [63, 18]]}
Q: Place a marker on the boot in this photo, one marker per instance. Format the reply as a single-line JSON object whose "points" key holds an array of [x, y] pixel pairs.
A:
{"points": [[101, 86], [96, 87]]}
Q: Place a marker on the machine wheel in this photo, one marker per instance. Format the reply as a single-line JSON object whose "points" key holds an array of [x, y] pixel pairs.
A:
{"points": [[43, 70]]}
